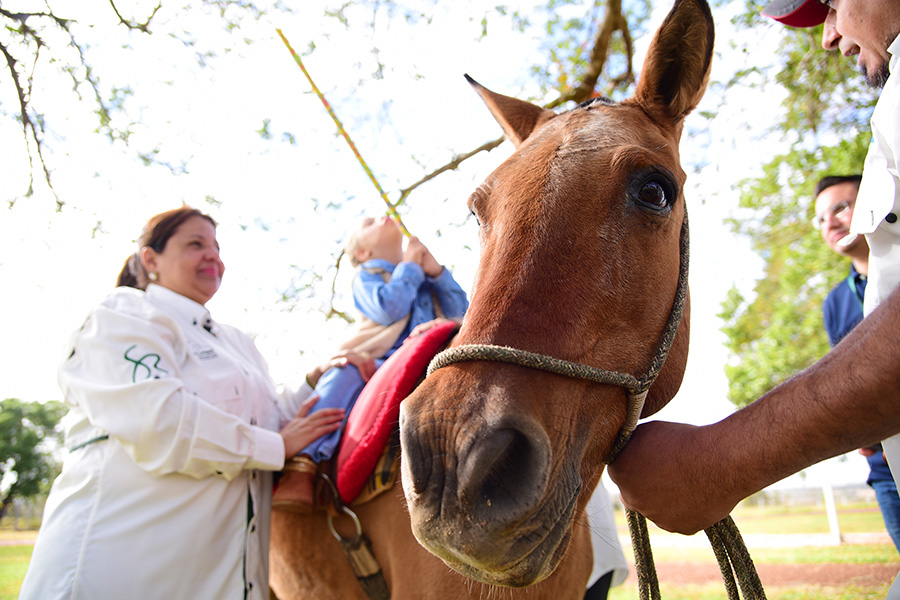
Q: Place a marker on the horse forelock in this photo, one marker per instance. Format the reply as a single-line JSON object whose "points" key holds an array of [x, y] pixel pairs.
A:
{"points": [[597, 100]]}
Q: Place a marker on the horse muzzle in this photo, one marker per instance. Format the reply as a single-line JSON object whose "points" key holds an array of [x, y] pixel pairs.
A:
{"points": [[478, 486]]}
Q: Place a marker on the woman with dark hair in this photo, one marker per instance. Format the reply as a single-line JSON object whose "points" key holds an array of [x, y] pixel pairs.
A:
{"points": [[173, 433]]}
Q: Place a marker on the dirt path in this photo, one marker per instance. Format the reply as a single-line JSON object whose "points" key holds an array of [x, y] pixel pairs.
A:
{"points": [[18, 538], [778, 575]]}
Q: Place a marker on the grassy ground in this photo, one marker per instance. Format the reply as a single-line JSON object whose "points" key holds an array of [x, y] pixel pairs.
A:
{"points": [[852, 518], [751, 520], [829, 555], [844, 554], [13, 562], [861, 518], [717, 592]]}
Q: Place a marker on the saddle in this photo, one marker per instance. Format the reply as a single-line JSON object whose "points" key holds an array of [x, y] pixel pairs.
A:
{"points": [[371, 435]]}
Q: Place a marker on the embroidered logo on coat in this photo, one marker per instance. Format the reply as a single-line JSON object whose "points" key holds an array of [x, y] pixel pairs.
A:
{"points": [[151, 366]]}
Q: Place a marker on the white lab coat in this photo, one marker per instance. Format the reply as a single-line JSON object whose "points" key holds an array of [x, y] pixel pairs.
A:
{"points": [[877, 215], [172, 431], [607, 549]]}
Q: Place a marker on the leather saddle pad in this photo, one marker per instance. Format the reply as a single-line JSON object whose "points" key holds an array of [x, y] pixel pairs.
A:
{"points": [[377, 410]]}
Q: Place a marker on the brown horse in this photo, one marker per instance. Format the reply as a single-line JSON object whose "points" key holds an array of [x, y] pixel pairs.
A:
{"points": [[580, 232]]}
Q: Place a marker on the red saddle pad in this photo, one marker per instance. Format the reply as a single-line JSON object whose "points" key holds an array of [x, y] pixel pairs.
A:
{"points": [[377, 410]]}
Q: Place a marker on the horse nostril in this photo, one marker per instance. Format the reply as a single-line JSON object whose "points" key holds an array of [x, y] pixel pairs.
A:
{"points": [[503, 469], [415, 464]]}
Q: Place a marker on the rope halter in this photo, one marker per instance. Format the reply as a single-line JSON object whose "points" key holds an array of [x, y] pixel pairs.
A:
{"points": [[738, 571], [637, 387]]}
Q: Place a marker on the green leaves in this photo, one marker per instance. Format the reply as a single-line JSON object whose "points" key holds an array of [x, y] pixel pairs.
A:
{"points": [[777, 329], [27, 438]]}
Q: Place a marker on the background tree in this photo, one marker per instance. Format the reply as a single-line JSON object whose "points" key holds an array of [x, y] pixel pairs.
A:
{"points": [[584, 47], [57, 37], [776, 329], [28, 438]]}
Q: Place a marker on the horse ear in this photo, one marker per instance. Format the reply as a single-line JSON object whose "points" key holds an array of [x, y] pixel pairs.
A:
{"points": [[517, 117], [676, 69]]}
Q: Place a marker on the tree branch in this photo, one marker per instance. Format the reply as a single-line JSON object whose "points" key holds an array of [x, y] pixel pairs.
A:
{"points": [[332, 311], [33, 43], [30, 130], [144, 27], [613, 21], [453, 164]]}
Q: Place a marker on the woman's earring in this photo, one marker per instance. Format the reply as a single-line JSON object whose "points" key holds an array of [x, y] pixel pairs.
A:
{"points": [[152, 276]]}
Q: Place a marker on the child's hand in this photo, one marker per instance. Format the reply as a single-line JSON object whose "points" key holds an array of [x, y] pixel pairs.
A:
{"points": [[361, 360], [430, 265], [417, 252], [423, 327]]}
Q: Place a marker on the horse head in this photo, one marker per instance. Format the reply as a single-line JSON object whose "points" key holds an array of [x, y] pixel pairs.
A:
{"points": [[580, 232]]}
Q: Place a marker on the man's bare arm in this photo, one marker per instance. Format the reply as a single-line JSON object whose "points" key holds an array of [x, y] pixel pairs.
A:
{"points": [[686, 478]]}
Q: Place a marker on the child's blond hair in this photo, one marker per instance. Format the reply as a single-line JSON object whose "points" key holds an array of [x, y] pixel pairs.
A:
{"points": [[352, 246]]}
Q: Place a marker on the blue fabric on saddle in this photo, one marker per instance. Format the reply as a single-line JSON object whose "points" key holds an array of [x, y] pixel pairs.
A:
{"points": [[377, 410]]}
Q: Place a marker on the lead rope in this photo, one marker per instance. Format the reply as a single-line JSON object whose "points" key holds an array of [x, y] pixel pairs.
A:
{"points": [[648, 583], [728, 545]]}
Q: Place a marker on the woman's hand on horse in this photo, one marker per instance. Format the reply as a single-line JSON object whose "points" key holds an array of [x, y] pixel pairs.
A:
{"points": [[669, 473], [305, 428]]}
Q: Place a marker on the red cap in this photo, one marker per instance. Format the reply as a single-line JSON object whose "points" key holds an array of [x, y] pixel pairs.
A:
{"points": [[797, 13]]}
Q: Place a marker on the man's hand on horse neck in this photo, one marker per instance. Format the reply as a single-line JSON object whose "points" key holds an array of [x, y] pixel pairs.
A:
{"points": [[686, 478]]}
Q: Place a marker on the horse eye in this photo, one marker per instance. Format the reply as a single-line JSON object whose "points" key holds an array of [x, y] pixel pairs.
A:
{"points": [[471, 204], [652, 188], [654, 195]]}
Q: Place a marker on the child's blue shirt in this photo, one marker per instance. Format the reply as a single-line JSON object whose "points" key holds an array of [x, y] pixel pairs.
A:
{"points": [[409, 290]]}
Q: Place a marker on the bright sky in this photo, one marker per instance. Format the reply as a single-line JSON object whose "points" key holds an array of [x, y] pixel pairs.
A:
{"points": [[273, 196]]}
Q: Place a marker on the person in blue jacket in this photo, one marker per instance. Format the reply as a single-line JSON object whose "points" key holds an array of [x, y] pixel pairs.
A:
{"points": [[843, 310], [399, 292]]}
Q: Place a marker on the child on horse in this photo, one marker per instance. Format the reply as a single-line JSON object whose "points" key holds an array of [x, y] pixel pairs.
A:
{"points": [[399, 293]]}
